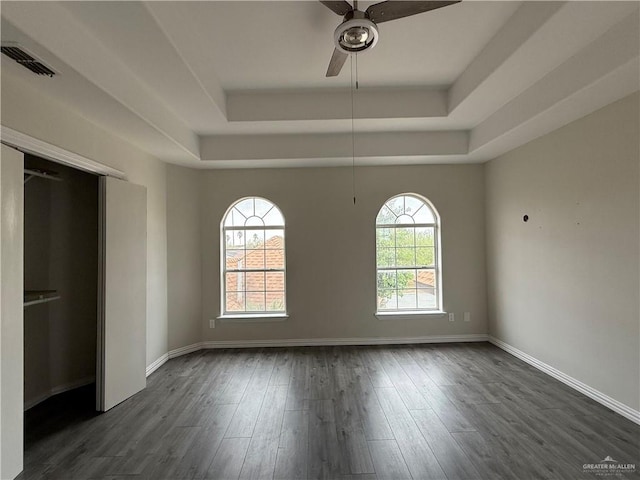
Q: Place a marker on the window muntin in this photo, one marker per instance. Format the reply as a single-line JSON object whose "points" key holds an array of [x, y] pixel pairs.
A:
{"points": [[253, 258], [407, 253]]}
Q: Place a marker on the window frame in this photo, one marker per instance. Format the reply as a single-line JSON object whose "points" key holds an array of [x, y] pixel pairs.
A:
{"points": [[437, 259], [230, 315]]}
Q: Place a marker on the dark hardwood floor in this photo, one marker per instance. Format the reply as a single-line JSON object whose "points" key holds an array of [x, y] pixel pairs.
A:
{"points": [[450, 411]]}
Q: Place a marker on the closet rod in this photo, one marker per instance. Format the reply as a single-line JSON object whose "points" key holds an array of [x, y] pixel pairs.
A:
{"points": [[41, 174]]}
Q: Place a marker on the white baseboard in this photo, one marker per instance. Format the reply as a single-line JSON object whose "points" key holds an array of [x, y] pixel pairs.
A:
{"points": [[315, 342], [184, 350], [173, 354], [607, 401], [156, 364], [58, 389]]}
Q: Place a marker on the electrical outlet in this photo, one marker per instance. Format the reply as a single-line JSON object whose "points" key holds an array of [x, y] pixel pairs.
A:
{"points": [[212, 323], [467, 316], [452, 317]]}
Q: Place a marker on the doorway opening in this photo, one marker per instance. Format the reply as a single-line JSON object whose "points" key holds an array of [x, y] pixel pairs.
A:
{"points": [[61, 258]]}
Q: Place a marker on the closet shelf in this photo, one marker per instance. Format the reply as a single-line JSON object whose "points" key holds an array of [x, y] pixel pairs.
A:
{"points": [[34, 297]]}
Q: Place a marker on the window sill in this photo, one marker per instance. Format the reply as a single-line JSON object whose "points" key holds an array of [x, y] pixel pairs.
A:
{"points": [[251, 318], [409, 314]]}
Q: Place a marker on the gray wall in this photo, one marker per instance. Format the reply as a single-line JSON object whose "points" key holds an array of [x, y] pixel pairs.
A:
{"points": [[564, 286], [61, 253], [184, 265], [331, 248]]}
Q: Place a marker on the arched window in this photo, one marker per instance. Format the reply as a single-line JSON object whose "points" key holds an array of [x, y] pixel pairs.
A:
{"points": [[407, 255], [253, 266]]}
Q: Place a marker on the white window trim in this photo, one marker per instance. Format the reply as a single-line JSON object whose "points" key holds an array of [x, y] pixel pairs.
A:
{"points": [[250, 316], [395, 314], [437, 226]]}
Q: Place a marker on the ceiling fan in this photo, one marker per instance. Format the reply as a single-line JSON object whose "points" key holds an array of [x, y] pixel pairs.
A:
{"points": [[359, 32]]}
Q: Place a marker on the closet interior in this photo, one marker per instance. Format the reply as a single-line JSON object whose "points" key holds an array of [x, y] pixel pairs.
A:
{"points": [[60, 294]]}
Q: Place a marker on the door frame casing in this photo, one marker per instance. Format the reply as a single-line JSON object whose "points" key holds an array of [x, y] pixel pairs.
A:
{"points": [[11, 312], [28, 144]]}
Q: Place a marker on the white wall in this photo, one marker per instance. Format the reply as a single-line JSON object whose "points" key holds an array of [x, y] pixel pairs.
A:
{"points": [[331, 248], [184, 264], [564, 286], [28, 111]]}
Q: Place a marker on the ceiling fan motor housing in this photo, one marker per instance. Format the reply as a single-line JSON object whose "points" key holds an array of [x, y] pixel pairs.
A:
{"points": [[356, 34]]}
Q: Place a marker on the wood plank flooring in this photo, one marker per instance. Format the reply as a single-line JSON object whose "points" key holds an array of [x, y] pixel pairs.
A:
{"points": [[449, 411]]}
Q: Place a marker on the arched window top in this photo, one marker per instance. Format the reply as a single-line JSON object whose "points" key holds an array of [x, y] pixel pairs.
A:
{"points": [[253, 212], [407, 209]]}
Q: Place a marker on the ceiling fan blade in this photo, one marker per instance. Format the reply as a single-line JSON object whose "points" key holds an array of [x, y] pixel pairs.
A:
{"points": [[337, 61], [392, 10], [340, 7]]}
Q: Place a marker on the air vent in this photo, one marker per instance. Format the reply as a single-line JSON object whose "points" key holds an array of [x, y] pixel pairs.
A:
{"points": [[17, 53]]}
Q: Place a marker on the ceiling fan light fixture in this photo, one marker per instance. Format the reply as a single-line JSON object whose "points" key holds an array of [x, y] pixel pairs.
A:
{"points": [[356, 35]]}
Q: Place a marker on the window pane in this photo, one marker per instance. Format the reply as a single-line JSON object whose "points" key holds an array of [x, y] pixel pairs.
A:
{"points": [[237, 218], [412, 205], [255, 238], [230, 239], [386, 257], [385, 237], [274, 258], [425, 236], [405, 237], [406, 278], [262, 206], [274, 217], [396, 205], [275, 281], [255, 302], [385, 216], [255, 282], [235, 302], [234, 258], [275, 301], [274, 238], [424, 215], [234, 281], [425, 256], [426, 278], [254, 222], [387, 299], [387, 279], [405, 257], [235, 238], [407, 299], [254, 260], [404, 219], [245, 207], [427, 298]]}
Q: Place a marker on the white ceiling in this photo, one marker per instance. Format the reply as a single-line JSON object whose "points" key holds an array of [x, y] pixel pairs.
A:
{"points": [[241, 83]]}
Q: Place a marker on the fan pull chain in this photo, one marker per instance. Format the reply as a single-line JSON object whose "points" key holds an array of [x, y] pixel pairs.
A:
{"points": [[353, 133]]}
